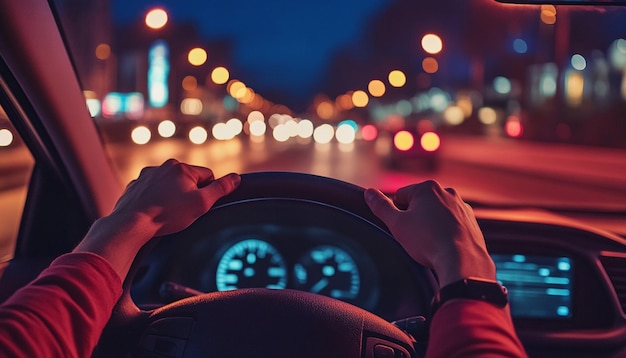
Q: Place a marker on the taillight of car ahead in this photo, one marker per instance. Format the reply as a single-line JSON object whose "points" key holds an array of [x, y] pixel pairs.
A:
{"points": [[430, 141], [403, 140]]}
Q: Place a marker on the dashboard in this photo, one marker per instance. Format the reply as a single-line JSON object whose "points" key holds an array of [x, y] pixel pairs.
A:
{"points": [[566, 282]]}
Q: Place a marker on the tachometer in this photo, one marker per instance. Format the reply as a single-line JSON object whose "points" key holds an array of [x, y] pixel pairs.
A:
{"points": [[330, 271], [251, 263]]}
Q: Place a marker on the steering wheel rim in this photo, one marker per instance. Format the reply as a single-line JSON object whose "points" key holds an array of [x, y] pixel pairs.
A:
{"points": [[206, 324]]}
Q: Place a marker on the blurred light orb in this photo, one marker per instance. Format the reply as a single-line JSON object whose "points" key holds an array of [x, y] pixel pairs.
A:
{"points": [[258, 128], [430, 141], [235, 88], [323, 134], [360, 99], [166, 129], [255, 116], [325, 110], [191, 106], [454, 115], [432, 44], [281, 133], [513, 127], [292, 128], [234, 126], [502, 85], [397, 78], [305, 128], [103, 51], [156, 18], [198, 135], [189, 83], [197, 56], [430, 65], [369, 132], [487, 115], [6, 137], [376, 88], [617, 54], [520, 46], [548, 14], [141, 135], [345, 133], [220, 75], [403, 140], [578, 62], [404, 107]]}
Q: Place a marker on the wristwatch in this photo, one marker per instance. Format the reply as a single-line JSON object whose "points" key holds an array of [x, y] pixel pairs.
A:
{"points": [[471, 288]]}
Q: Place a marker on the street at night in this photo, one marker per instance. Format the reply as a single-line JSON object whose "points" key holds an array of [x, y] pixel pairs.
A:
{"points": [[500, 172]]}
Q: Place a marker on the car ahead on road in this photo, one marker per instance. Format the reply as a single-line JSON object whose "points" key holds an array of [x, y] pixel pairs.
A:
{"points": [[189, 292], [409, 143]]}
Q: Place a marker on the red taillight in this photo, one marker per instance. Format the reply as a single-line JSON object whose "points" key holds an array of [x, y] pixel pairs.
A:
{"points": [[430, 141]]}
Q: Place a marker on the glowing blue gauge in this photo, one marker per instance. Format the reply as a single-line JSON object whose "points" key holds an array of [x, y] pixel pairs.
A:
{"points": [[329, 271], [251, 263]]}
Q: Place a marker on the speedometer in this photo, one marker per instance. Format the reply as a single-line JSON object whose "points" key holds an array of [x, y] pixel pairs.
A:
{"points": [[251, 263], [330, 271]]}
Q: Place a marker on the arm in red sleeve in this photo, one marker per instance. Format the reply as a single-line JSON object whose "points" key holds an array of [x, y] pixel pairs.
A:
{"points": [[470, 328], [63, 312]]}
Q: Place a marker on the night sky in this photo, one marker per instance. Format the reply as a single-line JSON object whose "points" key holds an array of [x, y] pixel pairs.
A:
{"points": [[280, 45]]}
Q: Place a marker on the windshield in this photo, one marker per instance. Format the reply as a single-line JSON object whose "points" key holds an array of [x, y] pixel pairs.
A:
{"points": [[511, 104]]}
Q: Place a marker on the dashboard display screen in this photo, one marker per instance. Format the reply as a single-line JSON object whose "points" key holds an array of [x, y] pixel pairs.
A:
{"points": [[539, 286]]}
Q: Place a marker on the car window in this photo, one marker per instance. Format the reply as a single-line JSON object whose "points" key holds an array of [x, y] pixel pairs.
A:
{"points": [[16, 164]]}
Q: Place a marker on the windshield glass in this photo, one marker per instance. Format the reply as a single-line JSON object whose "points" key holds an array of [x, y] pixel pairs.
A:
{"points": [[511, 104]]}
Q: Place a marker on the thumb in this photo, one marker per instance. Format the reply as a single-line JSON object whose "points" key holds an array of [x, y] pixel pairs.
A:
{"points": [[219, 188], [380, 205]]}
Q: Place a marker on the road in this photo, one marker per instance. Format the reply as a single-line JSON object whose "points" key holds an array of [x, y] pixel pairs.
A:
{"points": [[492, 171]]}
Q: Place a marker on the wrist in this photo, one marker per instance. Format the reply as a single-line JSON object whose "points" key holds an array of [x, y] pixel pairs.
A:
{"points": [[455, 268]]}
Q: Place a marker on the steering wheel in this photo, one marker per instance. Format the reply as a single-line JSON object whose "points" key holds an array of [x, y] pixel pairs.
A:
{"points": [[263, 322]]}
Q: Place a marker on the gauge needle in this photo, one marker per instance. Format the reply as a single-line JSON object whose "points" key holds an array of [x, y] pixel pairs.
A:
{"points": [[320, 285]]}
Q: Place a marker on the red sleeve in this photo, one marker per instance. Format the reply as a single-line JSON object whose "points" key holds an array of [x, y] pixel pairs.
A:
{"points": [[470, 328], [63, 312]]}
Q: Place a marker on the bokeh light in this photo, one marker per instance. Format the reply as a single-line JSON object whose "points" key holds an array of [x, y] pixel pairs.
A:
{"points": [[281, 133], [156, 18], [360, 99], [166, 129], [403, 140], [345, 133], [578, 62], [189, 83], [502, 85], [6, 137], [191, 106], [430, 65], [103, 51], [197, 56], [323, 134], [397, 78], [325, 110], [432, 44], [487, 115], [548, 14], [141, 135], [220, 75], [369, 132], [258, 128], [198, 135], [513, 127], [454, 115], [430, 141], [305, 128], [376, 88], [520, 46]]}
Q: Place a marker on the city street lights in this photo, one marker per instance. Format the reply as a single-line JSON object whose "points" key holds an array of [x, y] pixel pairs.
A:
{"points": [[156, 18]]}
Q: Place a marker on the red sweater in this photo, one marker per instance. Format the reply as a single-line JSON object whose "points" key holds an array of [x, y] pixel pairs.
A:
{"points": [[63, 312]]}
